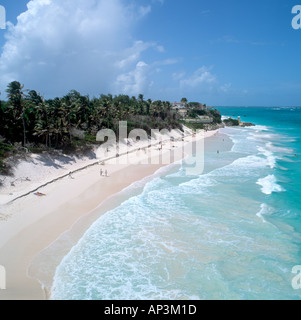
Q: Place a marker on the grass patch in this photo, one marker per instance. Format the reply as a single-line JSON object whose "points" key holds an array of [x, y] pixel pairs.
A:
{"points": [[81, 147], [37, 150], [91, 139], [194, 126]]}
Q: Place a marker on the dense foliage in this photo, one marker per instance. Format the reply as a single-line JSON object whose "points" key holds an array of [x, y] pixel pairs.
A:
{"points": [[231, 122], [5, 150], [27, 118], [215, 114]]}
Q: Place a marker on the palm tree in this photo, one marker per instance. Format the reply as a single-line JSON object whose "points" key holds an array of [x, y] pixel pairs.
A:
{"points": [[83, 105], [34, 97], [141, 97], [42, 126], [148, 106], [157, 108], [15, 96], [184, 101]]}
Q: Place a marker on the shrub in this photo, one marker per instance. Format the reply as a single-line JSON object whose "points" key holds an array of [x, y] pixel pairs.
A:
{"points": [[5, 151], [231, 122]]}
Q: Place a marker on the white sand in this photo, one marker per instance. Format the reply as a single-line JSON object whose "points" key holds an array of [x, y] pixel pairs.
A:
{"points": [[30, 224]]}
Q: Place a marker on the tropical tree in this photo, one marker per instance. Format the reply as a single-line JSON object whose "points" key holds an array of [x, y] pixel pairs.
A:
{"points": [[148, 106], [34, 98], [15, 96], [141, 97], [41, 124], [51, 121], [184, 100]]}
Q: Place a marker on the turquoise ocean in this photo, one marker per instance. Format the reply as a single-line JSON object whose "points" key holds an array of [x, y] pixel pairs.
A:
{"points": [[233, 232]]}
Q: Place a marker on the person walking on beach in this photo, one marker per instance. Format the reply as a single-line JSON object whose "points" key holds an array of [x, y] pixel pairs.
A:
{"points": [[106, 173], [101, 172]]}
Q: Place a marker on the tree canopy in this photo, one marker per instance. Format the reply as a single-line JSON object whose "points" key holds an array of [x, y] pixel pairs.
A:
{"points": [[27, 118]]}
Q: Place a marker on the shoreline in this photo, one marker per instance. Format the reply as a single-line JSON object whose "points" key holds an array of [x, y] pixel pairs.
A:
{"points": [[53, 255], [36, 223], [15, 188]]}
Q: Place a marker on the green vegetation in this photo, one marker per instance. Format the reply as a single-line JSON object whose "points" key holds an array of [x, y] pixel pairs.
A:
{"points": [[194, 126], [195, 113], [5, 151], [231, 122], [184, 100], [28, 122], [91, 139], [193, 105], [29, 119], [214, 114]]}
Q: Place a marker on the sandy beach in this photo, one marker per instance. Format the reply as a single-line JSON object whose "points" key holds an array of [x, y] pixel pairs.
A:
{"points": [[31, 224]]}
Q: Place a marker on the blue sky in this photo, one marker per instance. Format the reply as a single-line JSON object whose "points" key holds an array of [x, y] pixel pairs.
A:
{"points": [[233, 52]]}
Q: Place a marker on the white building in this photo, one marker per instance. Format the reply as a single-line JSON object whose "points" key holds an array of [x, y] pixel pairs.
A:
{"points": [[179, 105]]}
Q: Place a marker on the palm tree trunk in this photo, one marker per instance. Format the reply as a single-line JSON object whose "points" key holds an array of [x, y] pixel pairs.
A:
{"points": [[70, 135], [24, 131], [57, 140]]}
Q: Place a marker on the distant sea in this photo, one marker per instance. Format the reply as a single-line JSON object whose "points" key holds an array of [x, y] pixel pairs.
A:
{"points": [[233, 232]]}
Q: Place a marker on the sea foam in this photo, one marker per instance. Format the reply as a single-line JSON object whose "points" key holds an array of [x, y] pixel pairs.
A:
{"points": [[193, 237], [269, 185], [264, 211], [271, 158]]}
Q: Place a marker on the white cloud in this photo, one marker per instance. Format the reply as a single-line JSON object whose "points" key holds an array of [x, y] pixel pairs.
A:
{"points": [[178, 75], [136, 81], [226, 87], [85, 45], [144, 10], [132, 54], [160, 48], [199, 78]]}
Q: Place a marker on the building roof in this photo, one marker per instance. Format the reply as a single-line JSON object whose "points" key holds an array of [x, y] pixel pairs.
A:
{"points": [[179, 105]]}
